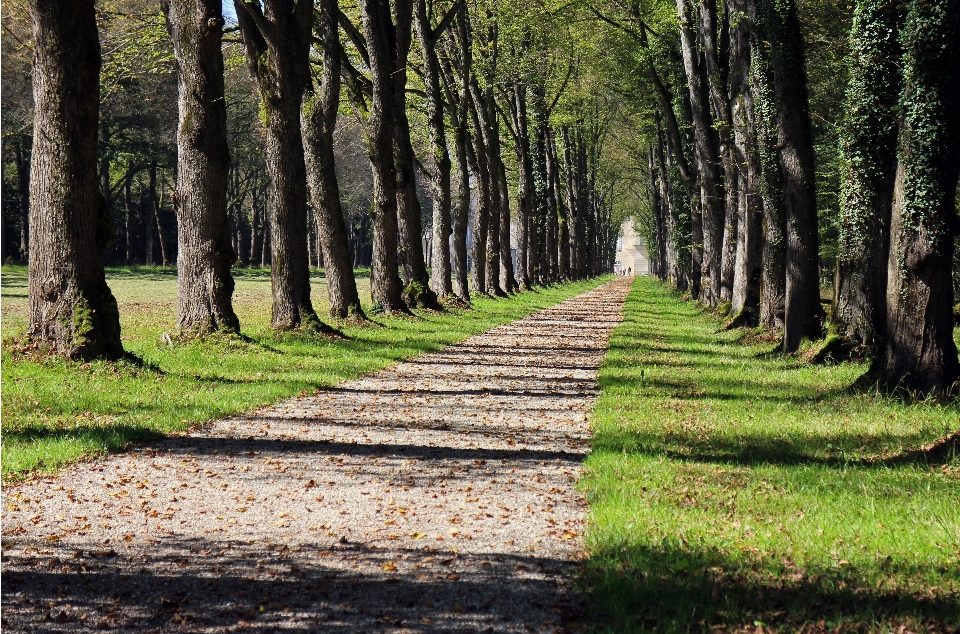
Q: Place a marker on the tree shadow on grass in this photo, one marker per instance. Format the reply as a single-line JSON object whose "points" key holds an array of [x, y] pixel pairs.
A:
{"points": [[672, 589]]}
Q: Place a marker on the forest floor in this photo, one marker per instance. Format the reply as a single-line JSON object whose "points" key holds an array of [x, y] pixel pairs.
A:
{"points": [[56, 413], [438, 495], [735, 489]]}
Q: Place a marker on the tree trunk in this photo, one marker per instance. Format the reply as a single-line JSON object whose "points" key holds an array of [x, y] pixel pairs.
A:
{"points": [[318, 124], [773, 273], [869, 147], [23, 198], [524, 185], [72, 310], [385, 285], [441, 282], [205, 254], [487, 119], [277, 43], [481, 219], [802, 311], [706, 153], [919, 351], [417, 291], [745, 299], [157, 202]]}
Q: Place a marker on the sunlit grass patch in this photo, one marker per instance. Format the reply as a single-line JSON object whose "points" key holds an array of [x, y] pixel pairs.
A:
{"points": [[732, 490]]}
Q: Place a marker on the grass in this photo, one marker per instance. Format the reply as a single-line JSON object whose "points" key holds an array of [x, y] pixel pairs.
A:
{"points": [[57, 412], [732, 490]]}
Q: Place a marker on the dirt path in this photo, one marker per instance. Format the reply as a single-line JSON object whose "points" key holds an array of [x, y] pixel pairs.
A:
{"points": [[436, 496]]}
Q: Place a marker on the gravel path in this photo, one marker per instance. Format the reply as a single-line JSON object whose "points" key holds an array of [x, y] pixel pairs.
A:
{"points": [[435, 496]]}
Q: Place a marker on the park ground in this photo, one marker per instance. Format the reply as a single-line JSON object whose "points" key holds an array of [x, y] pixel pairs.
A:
{"points": [[735, 488], [729, 488]]}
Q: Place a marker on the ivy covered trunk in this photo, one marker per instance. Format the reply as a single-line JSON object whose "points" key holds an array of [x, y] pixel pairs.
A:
{"points": [[205, 254], [802, 313], [868, 144], [919, 351], [319, 121], [277, 43], [773, 278], [72, 310], [385, 285]]}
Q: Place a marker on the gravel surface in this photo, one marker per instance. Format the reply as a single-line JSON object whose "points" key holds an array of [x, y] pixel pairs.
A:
{"points": [[435, 496]]}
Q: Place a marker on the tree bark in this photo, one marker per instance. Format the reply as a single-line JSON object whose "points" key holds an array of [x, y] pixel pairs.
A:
{"points": [[706, 154], [318, 124], [277, 44], [72, 310], [524, 184], [869, 149], [385, 285], [486, 117], [441, 281], [23, 197], [417, 291], [477, 154], [802, 311], [205, 254], [773, 273], [919, 351], [745, 299]]}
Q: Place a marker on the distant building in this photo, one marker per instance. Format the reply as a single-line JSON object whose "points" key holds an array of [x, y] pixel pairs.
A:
{"points": [[631, 252]]}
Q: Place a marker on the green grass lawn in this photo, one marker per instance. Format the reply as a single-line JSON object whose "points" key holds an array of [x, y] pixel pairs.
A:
{"points": [[732, 490], [56, 412]]}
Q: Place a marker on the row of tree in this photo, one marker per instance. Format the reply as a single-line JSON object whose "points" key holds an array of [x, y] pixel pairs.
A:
{"points": [[733, 175], [298, 55]]}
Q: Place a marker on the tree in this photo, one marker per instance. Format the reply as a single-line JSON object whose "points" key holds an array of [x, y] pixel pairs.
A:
{"points": [[919, 351], [428, 37], [205, 255], [869, 146], [385, 284], [319, 124], [71, 307], [277, 41], [794, 150]]}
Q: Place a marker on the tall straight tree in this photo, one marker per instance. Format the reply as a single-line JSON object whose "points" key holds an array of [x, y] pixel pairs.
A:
{"points": [[745, 299], [385, 285], [869, 146], [205, 254], [319, 121], [919, 351], [277, 39], [417, 291], [72, 310], [802, 311], [428, 37], [457, 96], [706, 152]]}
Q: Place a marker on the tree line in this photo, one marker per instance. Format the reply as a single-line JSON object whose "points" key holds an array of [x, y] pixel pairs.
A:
{"points": [[733, 175], [766, 149], [100, 133]]}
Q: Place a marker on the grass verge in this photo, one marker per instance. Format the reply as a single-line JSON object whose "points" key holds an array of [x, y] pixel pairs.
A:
{"points": [[731, 491], [57, 412]]}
